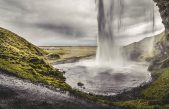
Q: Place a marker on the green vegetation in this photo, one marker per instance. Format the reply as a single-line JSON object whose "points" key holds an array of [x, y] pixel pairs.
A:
{"points": [[142, 50], [22, 59], [153, 96], [156, 94], [53, 56], [58, 54]]}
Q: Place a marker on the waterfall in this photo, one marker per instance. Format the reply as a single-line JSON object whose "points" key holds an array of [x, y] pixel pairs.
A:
{"points": [[108, 50], [113, 21]]}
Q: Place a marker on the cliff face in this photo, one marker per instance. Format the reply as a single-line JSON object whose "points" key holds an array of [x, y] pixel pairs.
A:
{"points": [[164, 12], [163, 44]]}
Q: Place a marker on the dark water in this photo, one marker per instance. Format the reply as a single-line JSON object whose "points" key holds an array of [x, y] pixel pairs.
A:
{"points": [[104, 80], [19, 94]]}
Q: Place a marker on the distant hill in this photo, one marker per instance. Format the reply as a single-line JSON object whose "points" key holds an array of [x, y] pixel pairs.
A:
{"points": [[143, 50]]}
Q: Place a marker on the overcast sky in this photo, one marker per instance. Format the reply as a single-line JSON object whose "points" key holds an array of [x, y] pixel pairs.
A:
{"points": [[58, 22], [51, 22]]}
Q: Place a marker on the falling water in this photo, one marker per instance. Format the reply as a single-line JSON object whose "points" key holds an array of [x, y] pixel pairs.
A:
{"points": [[112, 22], [111, 77]]}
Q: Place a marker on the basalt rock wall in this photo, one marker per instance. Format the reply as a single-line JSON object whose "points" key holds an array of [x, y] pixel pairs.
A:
{"points": [[164, 12]]}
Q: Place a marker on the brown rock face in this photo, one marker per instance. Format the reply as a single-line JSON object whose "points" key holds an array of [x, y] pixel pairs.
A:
{"points": [[164, 12], [161, 60]]}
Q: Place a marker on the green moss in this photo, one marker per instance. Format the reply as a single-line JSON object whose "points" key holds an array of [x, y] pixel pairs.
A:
{"points": [[156, 94], [153, 96], [159, 89], [24, 60], [140, 51], [61, 54], [58, 51], [141, 104], [136, 104]]}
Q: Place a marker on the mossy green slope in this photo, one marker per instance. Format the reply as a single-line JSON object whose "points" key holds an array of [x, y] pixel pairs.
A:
{"points": [[24, 60], [142, 50], [156, 94], [153, 96]]}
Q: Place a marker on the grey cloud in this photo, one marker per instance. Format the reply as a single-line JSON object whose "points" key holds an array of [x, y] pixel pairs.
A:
{"points": [[63, 29], [55, 18], [44, 21]]}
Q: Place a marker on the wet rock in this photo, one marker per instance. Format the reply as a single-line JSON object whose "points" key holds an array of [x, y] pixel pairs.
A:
{"points": [[80, 84], [164, 12], [53, 56]]}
